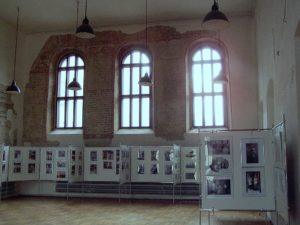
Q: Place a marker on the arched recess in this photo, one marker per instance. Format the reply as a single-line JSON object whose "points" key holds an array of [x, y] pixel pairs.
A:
{"points": [[270, 104]]}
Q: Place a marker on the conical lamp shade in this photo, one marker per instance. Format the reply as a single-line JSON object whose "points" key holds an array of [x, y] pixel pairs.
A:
{"points": [[74, 85], [85, 30], [215, 19], [145, 80], [13, 88]]}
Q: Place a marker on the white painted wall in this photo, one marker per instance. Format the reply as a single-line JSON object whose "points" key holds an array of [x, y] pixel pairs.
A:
{"points": [[277, 64]]}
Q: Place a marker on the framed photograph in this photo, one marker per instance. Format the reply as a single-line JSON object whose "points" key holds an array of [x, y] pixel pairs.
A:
{"points": [[167, 155], [73, 157], [252, 152], [154, 169], [218, 186], [79, 170], [49, 155], [61, 154], [107, 165], [168, 169], [17, 167], [61, 164], [190, 176], [154, 155], [31, 168], [253, 182], [141, 169], [32, 155], [190, 154], [93, 169], [190, 165], [93, 155], [3, 156], [218, 164], [17, 155], [107, 155], [49, 168], [3, 168], [219, 147], [73, 170], [61, 174]]}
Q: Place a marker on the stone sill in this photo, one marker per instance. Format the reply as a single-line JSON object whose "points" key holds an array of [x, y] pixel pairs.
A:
{"points": [[66, 132], [134, 131], [207, 130]]}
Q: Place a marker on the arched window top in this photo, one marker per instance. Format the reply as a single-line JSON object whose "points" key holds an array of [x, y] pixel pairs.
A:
{"points": [[71, 60], [136, 56]]}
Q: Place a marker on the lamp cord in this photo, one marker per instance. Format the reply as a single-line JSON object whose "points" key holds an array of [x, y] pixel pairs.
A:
{"points": [[146, 22], [77, 13], [85, 7], [16, 43]]}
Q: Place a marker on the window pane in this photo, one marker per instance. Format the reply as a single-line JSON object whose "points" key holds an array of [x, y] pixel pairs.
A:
{"points": [[197, 78], [72, 61], [80, 80], [125, 81], [70, 111], [60, 114], [216, 55], [71, 75], [135, 112], [145, 112], [206, 53], [145, 89], [61, 92], [125, 113], [216, 69], [219, 110], [198, 109], [197, 56], [136, 57], [208, 111], [207, 78], [80, 62], [63, 63], [145, 58], [79, 110], [135, 80], [126, 60]]}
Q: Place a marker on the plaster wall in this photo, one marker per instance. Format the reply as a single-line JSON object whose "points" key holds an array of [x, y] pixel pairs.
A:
{"points": [[276, 44]]}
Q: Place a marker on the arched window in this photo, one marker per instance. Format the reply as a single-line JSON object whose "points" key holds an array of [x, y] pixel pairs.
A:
{"points": [[135, 105], [208, 98], [69, 103]]}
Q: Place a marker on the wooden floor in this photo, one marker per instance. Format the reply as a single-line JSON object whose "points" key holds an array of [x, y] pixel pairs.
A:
{"points": [[60, 211]]}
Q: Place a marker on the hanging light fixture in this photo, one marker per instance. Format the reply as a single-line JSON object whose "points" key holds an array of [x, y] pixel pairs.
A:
{"points": [[74, 85], [215, 19], [85, 30], [13, 88], [146, 79]]}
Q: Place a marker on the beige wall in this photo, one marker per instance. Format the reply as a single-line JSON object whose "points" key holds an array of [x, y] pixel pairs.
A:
{"points": [[279, 81]]}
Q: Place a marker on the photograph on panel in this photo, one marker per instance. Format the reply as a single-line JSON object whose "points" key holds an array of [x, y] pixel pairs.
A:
{"points": [[31, 168], [93, 156], [218, 186], [73, 170], [17, 168], [61, 164], [154, 155], [168, 155], [32, 155], [252, 152], [168, 169], [190, 176], [17, 155], [79, 170], [107, 165], [73, 156], [61, 174], [154, 169], [61, 154], [48, 168], [93, 169], [107, 155], [3, 168], [253, 179], [49, 155], [140, 154], [141, 169]]}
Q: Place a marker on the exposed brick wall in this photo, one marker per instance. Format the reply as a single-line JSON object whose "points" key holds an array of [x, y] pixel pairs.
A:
{"points": [[168, 48]]}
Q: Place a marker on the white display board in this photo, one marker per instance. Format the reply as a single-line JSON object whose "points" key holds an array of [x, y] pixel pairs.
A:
{"points": [[123, 165], [103, 163], [23, 163], [190, 164], [281, 184], [54, 163], [155, 163], [4, 169], [75, 164], [237, 170]]}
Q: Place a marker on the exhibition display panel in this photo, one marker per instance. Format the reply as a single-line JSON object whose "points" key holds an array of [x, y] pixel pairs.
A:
{"points": [[190, 164], [4, 162]]}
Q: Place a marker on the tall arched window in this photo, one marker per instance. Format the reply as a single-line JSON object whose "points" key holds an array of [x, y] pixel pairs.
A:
{"points": [[135, 103], [69, 103], [209, 102]]}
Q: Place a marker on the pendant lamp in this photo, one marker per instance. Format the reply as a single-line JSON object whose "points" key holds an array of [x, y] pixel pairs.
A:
{"points": [[13, 88], [215, 19], [85, 30], [74, 85], [221, 79], [146, 79]]}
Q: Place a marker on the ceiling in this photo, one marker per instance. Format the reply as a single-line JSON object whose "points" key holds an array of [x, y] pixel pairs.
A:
{"points": [[60, 15]]}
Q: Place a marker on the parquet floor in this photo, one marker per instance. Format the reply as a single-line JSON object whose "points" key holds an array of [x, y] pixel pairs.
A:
{"points": [[60, 211]]}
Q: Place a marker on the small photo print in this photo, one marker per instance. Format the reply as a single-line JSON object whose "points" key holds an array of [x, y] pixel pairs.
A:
{"points": [[93, 169], [190, 165], [79, 170], [48, 168], [93, 155], [218, 165], [31, 168], [141, 155], [107, 155], [3, 168], [73, 170], [218, 186], [252, 152], [32, 155], [61, 154], [17, 167], [61, 164], [61, 174], [17, 155], [154, 169], [190, 154], [168, 169], [73, 157], [154, 155], [3, 156], [107, 165], [167, 156], [218, 147], [141, 169], [253, 181], [190, 176], [49, 155]]}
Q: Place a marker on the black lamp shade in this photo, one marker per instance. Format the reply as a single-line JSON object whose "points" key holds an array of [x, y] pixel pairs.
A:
{"points": [[85, 30], [74, 85], [215, 19], [145, 80], [221, 79], [13, 88]]}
